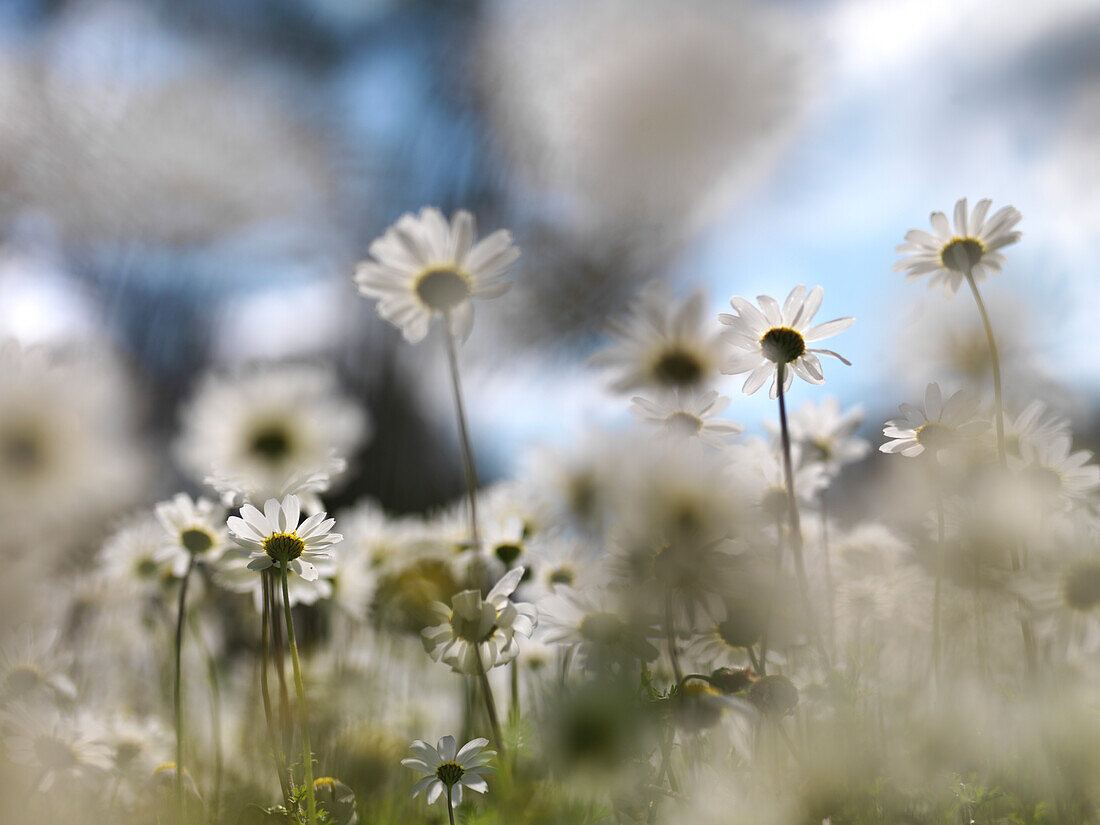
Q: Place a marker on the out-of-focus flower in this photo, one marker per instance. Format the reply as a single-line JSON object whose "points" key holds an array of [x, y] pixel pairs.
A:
{"points": [[1056, 471], [481, 633], [592, 621], [450, 768], [769, 336], [424, 266], [66, 443], [971, 247], [685, 415], [825, 435], [268, 431], [937, 426], [760, 468], [1035, 421], [195, 532], [275, 538], [60, 749], [337, 799], [662, 343], [32, 666], [128, 559]]}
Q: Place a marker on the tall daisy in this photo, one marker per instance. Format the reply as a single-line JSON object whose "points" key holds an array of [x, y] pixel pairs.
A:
{"points": [[275, 538], [967, 250], [422, 267], [935, 426], [687, 415], [770, 340], [195, 531], [662, 343]]}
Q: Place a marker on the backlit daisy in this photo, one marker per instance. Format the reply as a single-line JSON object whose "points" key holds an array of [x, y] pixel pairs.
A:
{"points": [[450, 768], [473, 627], [270, 430], [825, 435], [1056, 471], [32, 666], [939, 425], [951, 254], [772, 335], [662, 343], [60, 749], [195, 532], [682, 414], [275, 538], [422, 266]]}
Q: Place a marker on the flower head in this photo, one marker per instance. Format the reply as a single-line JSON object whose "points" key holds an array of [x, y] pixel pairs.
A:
{"points": [[968, 249], [423, 267], [474, 629], [687, 415], [195, 531], [826, 436], [662, 343], [939, 425], [450, 768], [766, 337], [274, 538]]}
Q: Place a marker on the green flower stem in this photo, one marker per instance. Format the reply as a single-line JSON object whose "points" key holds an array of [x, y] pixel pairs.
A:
{"points": [[941, 556], [450, 807], [1030, 654], [265, 691], [490, 705], [793, 518], [303, 707], [177, 693], [762, 669], [670, 633], [280, 663], [463, 427], [215, 712]]}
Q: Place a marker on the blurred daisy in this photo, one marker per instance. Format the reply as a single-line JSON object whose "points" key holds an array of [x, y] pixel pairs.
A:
{"points": [[128, 559], [592, 622], [61, 750], [31, 665], [970, 248], [422, 267], [274, 537], [1035, 421], [450, 768], [196, 532], [769, 336], [474, 629], [685, 415], [662, 343], [1056, 471], [268, 431], [760, 468], [825, 435], [936, 426]]}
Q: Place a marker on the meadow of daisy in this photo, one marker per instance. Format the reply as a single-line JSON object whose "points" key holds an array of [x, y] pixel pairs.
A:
{"points": [[322, 580]]}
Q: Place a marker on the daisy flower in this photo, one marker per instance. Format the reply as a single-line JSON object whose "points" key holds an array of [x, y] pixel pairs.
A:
{"points": [[60, 749], [422, 267], [275, 538], [474, 629], [767, 337], [128, 559], [270, 430], [450, 768], [233, 573], [662, 343], [939, 425], [592, 622], [686, 415], [825, 435], [1035, 421], [195, 529], [1055, 470], [32, 664], [967, 250]]}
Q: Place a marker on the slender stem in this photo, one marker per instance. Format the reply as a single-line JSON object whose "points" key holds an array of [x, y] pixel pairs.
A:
{"points": [[463, 427], [995, 362], [215, 712], [514, 676], [490, 705], [178, 687], [941, 556], [280, 662], [450, 807], [793, 518], [766, 636], [1002, 454], [303, 707], [670, 632], [265, 691]]}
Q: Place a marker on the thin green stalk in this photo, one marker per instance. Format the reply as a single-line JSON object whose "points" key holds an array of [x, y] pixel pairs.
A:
{"points": [[215, 713], [766, 635], [468, 464], [450, 807], [280, 663], [670, 633], [303, 707], [178, 688], [793, 517], [490, 705], [265, 691], [1030, 654]]}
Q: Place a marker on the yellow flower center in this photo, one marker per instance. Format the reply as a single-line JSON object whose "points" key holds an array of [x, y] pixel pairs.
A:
{"points": [[962, 253], [442, 288], [282, 547], [781, 345], [677, 367]]}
